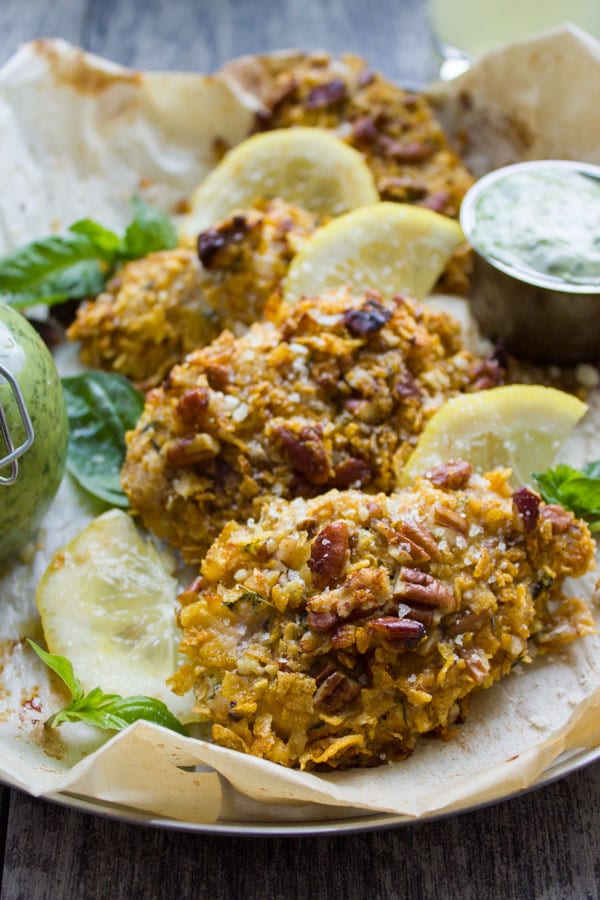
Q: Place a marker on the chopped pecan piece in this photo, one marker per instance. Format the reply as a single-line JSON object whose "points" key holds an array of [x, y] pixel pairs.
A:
{"points": [[559, 518], [364, 129], [343, 637], [324, 95], [306, 452], [449, 518], [366, 77], [527, 506], [191, 450], [437, 201], [352, 472], [412, 584], [405, 387], [217, 376], [412, 152], [327, 669], [401, 547], [370, 317], [193, 405], [361, 593], [423, 614], [450, 476], [398, 187], [286, 91], [322, 622], [488, 374], [328, 375], [401, 631], [467, 621], [214, 239], [477, 666], [336, 692], [419, 535], [328, 554]]}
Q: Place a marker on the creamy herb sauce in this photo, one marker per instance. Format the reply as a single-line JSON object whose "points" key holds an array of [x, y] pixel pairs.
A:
{"points": [[546, 221]]}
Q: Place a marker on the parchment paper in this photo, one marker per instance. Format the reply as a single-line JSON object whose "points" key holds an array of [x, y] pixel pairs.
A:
{"points": [[80, 136]]}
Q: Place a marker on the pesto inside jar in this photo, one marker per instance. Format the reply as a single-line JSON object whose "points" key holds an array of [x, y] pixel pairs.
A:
{"points": [[542, 220]]}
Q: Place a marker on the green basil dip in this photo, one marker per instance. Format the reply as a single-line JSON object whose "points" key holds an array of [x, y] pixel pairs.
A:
{"points": [[543, 220]]}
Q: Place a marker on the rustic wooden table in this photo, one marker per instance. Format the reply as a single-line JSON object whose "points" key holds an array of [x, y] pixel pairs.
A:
{"points": [[544, 844]]}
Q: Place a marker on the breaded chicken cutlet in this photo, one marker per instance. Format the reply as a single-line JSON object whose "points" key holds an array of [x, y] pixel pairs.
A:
{"points": [[335, 631], [333, 396], [395, 130], [158, 308]]}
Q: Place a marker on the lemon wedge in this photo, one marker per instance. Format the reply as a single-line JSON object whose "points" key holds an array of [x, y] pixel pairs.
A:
{"points": [[308, 166], [108, 604], [390, 247], [519, 426]]}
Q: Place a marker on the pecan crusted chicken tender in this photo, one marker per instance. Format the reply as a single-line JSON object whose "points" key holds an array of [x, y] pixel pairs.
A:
{"points": [[335, 631], [395, 130], [329, 397], [160, 307]]}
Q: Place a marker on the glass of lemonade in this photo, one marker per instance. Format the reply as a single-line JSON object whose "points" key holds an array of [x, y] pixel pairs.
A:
{"points": [[463, 29]]}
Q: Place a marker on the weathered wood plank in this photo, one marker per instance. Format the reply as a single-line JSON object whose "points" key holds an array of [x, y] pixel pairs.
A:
{"points": [[26, 20], [4, 812], [202, 35], [544, 844]]}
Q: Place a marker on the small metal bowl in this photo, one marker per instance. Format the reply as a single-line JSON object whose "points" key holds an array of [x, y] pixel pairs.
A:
{"points": [[538, 317]]}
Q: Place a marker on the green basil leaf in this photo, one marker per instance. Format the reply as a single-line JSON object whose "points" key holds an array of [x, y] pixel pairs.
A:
{"points": [[95, 699], [52, 270], [150, 230], [130, 709], [77, 264], [108, 711], [574, 489], [592, 470], [101, 407], [94, 717], [61, 667], [106, 242]]}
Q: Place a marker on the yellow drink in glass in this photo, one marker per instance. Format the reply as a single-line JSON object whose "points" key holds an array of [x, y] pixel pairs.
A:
{"points": [[464, 29]]}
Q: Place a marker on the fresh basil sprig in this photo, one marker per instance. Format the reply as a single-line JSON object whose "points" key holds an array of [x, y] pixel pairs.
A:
{"points": [[574, 489], [101, 407], [78, 263], [107, 711]]}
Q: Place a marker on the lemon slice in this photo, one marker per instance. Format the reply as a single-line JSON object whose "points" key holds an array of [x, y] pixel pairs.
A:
{"points": [[308, 166], [108, 604], [390, 247], [521, 426]]}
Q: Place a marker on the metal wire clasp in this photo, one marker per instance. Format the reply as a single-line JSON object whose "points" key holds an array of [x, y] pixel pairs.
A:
{"points": [[13, 453]]}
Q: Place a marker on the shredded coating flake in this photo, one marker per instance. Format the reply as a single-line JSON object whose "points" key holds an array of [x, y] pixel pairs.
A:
{"points": [[395, 130], [291, 408], [158, 308], [350, 672]]}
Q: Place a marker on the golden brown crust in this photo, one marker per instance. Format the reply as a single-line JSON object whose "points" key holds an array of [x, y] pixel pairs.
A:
{"points": [[160, 307], [335, 631], [329, 396], [395, 129]]}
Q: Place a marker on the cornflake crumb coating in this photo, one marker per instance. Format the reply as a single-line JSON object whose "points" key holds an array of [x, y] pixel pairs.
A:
{"points": [[334, 631], [395, 130], [164, 305], [333, 395]]}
